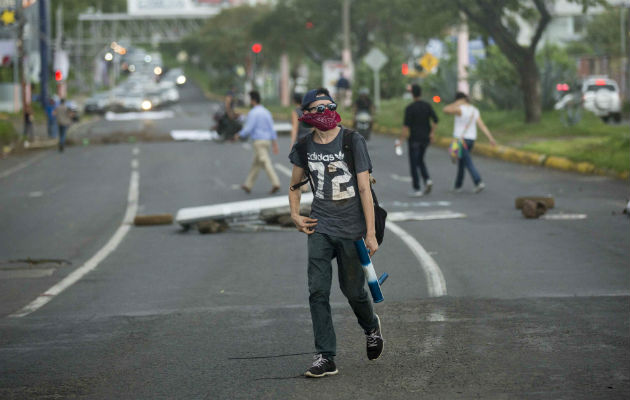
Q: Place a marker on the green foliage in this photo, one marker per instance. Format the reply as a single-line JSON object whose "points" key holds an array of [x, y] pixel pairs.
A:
{"points": [[603, 33], [72, 9], [7, 133], [499, 80], [556, 66]]}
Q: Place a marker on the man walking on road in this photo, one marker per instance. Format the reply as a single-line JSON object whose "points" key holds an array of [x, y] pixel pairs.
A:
{"points": [[64, 119], [419, 128], [342, 212], [259, 127]]}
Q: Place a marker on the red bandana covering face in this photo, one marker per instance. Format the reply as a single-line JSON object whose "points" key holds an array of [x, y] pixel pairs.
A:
{"points": [[323, 121]]}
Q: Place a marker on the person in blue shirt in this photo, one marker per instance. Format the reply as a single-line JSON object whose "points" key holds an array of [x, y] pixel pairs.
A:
{"points": [[259, 127]]}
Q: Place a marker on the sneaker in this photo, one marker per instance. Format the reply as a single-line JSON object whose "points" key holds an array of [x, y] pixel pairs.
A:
{"points": [[416, 193], [321, 367], [479, 187], [428, 185], [456, 190], [374, 341]]}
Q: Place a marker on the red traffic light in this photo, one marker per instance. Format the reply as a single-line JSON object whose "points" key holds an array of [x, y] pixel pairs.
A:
{"points": [[257, 48], [436, 99], [405, 69], [309, 25], [58, 75]]}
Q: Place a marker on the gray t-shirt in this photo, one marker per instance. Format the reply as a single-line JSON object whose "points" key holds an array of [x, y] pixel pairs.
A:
{"points": [[336, 201]]}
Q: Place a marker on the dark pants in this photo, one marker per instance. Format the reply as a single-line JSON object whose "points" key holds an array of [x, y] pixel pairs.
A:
{"points": [[62, 136], [416, 161], [466, 162], [321, 250]]}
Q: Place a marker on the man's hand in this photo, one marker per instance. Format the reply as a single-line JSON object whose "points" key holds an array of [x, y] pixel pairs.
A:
{"points": [[432, 137], [371, 243], [275, 147], [236, 137], [305, 224]]}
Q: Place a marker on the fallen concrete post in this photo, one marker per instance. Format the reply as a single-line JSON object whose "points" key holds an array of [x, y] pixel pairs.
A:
{"points": [[157, 219], [277, 205]]}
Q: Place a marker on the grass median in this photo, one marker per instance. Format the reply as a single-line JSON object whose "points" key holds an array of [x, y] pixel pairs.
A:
{"points": [[606, 146]]}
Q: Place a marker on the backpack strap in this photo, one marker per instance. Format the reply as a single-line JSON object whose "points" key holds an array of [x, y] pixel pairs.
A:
{"points": [[349, 158], [300, 146]]}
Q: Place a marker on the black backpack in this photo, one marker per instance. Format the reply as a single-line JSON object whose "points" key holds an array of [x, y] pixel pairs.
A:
{"points": [[380, 215]]}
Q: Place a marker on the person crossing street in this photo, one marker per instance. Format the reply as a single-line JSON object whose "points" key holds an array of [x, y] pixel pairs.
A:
{"points": [[259, 127]]}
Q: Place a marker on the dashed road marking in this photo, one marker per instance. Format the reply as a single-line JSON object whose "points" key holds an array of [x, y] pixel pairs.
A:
{"points": [[22, 165], [92, 263]]}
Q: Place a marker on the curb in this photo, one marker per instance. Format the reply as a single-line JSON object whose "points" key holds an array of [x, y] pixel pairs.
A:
{"points": [[511, 154]]}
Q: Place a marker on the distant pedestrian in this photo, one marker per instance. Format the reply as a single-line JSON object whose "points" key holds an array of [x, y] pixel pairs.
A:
{"points": [[343, 89], [52, 120], [467, 118], [259, 127], [299, 129], [419, 130], [29, 133], [64, 120]]}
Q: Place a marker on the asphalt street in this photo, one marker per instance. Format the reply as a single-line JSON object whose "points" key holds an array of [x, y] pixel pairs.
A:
{"points": [[533, 309]]}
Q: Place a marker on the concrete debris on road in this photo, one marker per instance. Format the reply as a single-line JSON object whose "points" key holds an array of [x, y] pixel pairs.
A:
{"points": [[533, 209], [213, 226], [548, 201]]}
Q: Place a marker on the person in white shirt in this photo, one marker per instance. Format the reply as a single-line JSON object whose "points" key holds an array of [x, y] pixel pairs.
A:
{"points": [[467, 119]]}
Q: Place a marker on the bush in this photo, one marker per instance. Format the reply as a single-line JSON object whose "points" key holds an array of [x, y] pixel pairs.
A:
{"points": [[8, 134]]}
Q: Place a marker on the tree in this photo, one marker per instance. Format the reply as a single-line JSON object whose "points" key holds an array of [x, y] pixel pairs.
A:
{"points": [[499, 19]]}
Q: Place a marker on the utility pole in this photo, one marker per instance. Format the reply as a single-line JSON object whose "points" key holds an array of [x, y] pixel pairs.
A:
{"points": [[43, 50], [20, 54], [346, 53], [462, 56]]}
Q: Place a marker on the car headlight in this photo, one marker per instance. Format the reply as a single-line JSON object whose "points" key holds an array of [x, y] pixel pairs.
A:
{"points": [[146, 105], [181, 80]]}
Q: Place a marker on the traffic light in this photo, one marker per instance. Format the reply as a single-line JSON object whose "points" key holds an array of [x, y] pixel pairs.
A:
{"points": [[58, 76], [405, 69], [257, 48]]}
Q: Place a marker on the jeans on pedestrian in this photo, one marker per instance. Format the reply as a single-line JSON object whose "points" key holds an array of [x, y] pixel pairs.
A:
{"points": [[62, 135], [466, 162], [416, 161], [322, 249], [52, 129]]}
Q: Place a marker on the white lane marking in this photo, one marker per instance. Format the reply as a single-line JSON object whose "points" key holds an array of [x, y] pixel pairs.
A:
{"points": [[563, 216], [247, 146], [284, 169], [21, 166], [424, 216], [36, 194], [397, 177], [136, 151], [134, 163], [435, 280], [92, 263], [196, 135]]}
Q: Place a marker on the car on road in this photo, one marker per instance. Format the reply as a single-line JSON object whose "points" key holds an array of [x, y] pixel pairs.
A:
{"points": [[601, 96], [98, 103]]}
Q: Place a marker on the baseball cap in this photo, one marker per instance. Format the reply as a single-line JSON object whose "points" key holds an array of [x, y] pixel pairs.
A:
{"points": [[312, 96]]}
